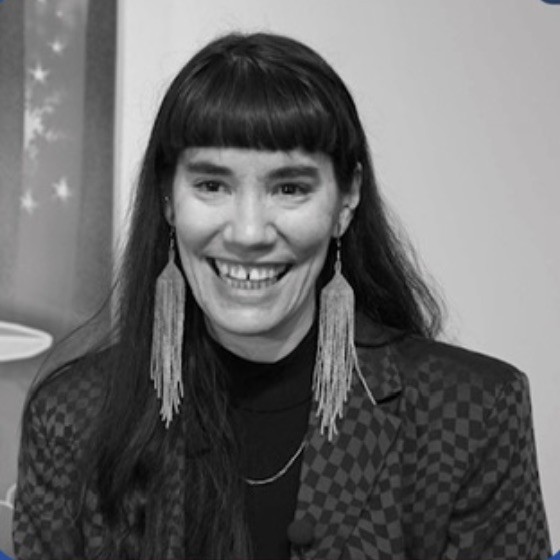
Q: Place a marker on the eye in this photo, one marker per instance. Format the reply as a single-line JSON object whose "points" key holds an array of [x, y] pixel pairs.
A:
{"points": [[292, 189], [209, 186]]}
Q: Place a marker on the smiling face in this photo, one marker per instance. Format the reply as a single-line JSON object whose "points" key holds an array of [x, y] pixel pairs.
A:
{"points": [[253, 229]]}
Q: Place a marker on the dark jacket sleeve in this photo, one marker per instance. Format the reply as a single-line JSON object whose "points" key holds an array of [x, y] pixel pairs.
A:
{"points": [[43, 525], [499, 512]]}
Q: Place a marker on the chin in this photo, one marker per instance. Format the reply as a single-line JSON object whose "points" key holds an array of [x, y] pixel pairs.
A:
{"points": [[249, 326]]}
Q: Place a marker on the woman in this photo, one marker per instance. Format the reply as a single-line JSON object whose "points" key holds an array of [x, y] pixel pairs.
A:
{"points": [[281, 424]]}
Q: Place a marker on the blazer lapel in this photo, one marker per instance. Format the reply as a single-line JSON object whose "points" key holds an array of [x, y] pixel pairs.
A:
{"points": [[337, 478]]}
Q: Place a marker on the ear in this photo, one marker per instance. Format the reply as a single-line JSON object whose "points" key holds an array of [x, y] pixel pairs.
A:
{"points": [[350, 201], [168, 211]]}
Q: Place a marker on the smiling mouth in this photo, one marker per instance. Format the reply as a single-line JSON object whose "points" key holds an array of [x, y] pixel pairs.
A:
{"points": [[248, 277]]}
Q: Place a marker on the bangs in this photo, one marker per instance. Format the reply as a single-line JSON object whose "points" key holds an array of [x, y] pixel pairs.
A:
{"points": [[239, 103]]}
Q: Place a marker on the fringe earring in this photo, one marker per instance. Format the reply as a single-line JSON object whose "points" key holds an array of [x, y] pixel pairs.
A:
{"points": [[336, 353], [167, 337]]}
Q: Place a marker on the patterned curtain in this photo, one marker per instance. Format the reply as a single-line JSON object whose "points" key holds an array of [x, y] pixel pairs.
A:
{"points": [[57, 80]]}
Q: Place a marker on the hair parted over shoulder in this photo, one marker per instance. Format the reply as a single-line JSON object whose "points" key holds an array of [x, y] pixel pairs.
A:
{"points": [[259, 91]]}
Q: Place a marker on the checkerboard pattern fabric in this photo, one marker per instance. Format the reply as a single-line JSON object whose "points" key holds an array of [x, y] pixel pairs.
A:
{"points": [[442, 467]]}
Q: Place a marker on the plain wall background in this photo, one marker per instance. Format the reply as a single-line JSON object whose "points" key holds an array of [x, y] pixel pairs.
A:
{"points": [[461, 102]]}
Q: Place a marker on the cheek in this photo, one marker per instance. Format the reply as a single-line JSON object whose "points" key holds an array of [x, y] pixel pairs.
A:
{"points": [[187, 243], [314, 251], [311, 234], [192, 226], [191, 235]]}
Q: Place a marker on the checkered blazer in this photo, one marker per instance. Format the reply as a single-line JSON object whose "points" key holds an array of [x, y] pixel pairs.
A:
{"points": [[443, 467]]}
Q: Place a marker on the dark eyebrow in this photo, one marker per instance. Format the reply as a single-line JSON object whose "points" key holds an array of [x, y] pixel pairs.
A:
{"points": [[293, 171], [284, 172], [208, 168]]}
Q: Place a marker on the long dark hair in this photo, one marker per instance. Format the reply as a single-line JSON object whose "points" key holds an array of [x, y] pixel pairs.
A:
{"points": [[259, 91]]}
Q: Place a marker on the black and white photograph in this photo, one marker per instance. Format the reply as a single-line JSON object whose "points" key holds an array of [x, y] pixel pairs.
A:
{"points": [[279, 280]]}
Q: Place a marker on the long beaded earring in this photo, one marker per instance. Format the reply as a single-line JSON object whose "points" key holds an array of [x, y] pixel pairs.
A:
{"points": [[336, 353], [167, 336]]}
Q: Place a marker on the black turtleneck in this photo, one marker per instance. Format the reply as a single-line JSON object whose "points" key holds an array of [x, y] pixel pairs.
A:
{"points": [[271, 405]]}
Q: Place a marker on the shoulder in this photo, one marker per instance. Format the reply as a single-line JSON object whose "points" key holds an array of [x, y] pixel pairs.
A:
{"points": [[434, 362], [429, 370], [64, 405], [453, 405]]}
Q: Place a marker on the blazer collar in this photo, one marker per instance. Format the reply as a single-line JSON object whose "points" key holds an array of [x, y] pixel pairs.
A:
{"points": [[337, 477]]}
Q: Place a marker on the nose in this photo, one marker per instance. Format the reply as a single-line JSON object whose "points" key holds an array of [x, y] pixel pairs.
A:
{"points": [[250, 225]]}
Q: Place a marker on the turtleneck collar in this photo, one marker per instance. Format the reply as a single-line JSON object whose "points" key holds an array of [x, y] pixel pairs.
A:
{"points": [[269, 387]]}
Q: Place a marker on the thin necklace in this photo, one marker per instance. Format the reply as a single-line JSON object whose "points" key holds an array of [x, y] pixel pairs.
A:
{"points": [[281, 472]]}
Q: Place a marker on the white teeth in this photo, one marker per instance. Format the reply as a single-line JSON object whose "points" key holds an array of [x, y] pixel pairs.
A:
{"points": [[251, 273], [237, 272], [261, 273]]}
